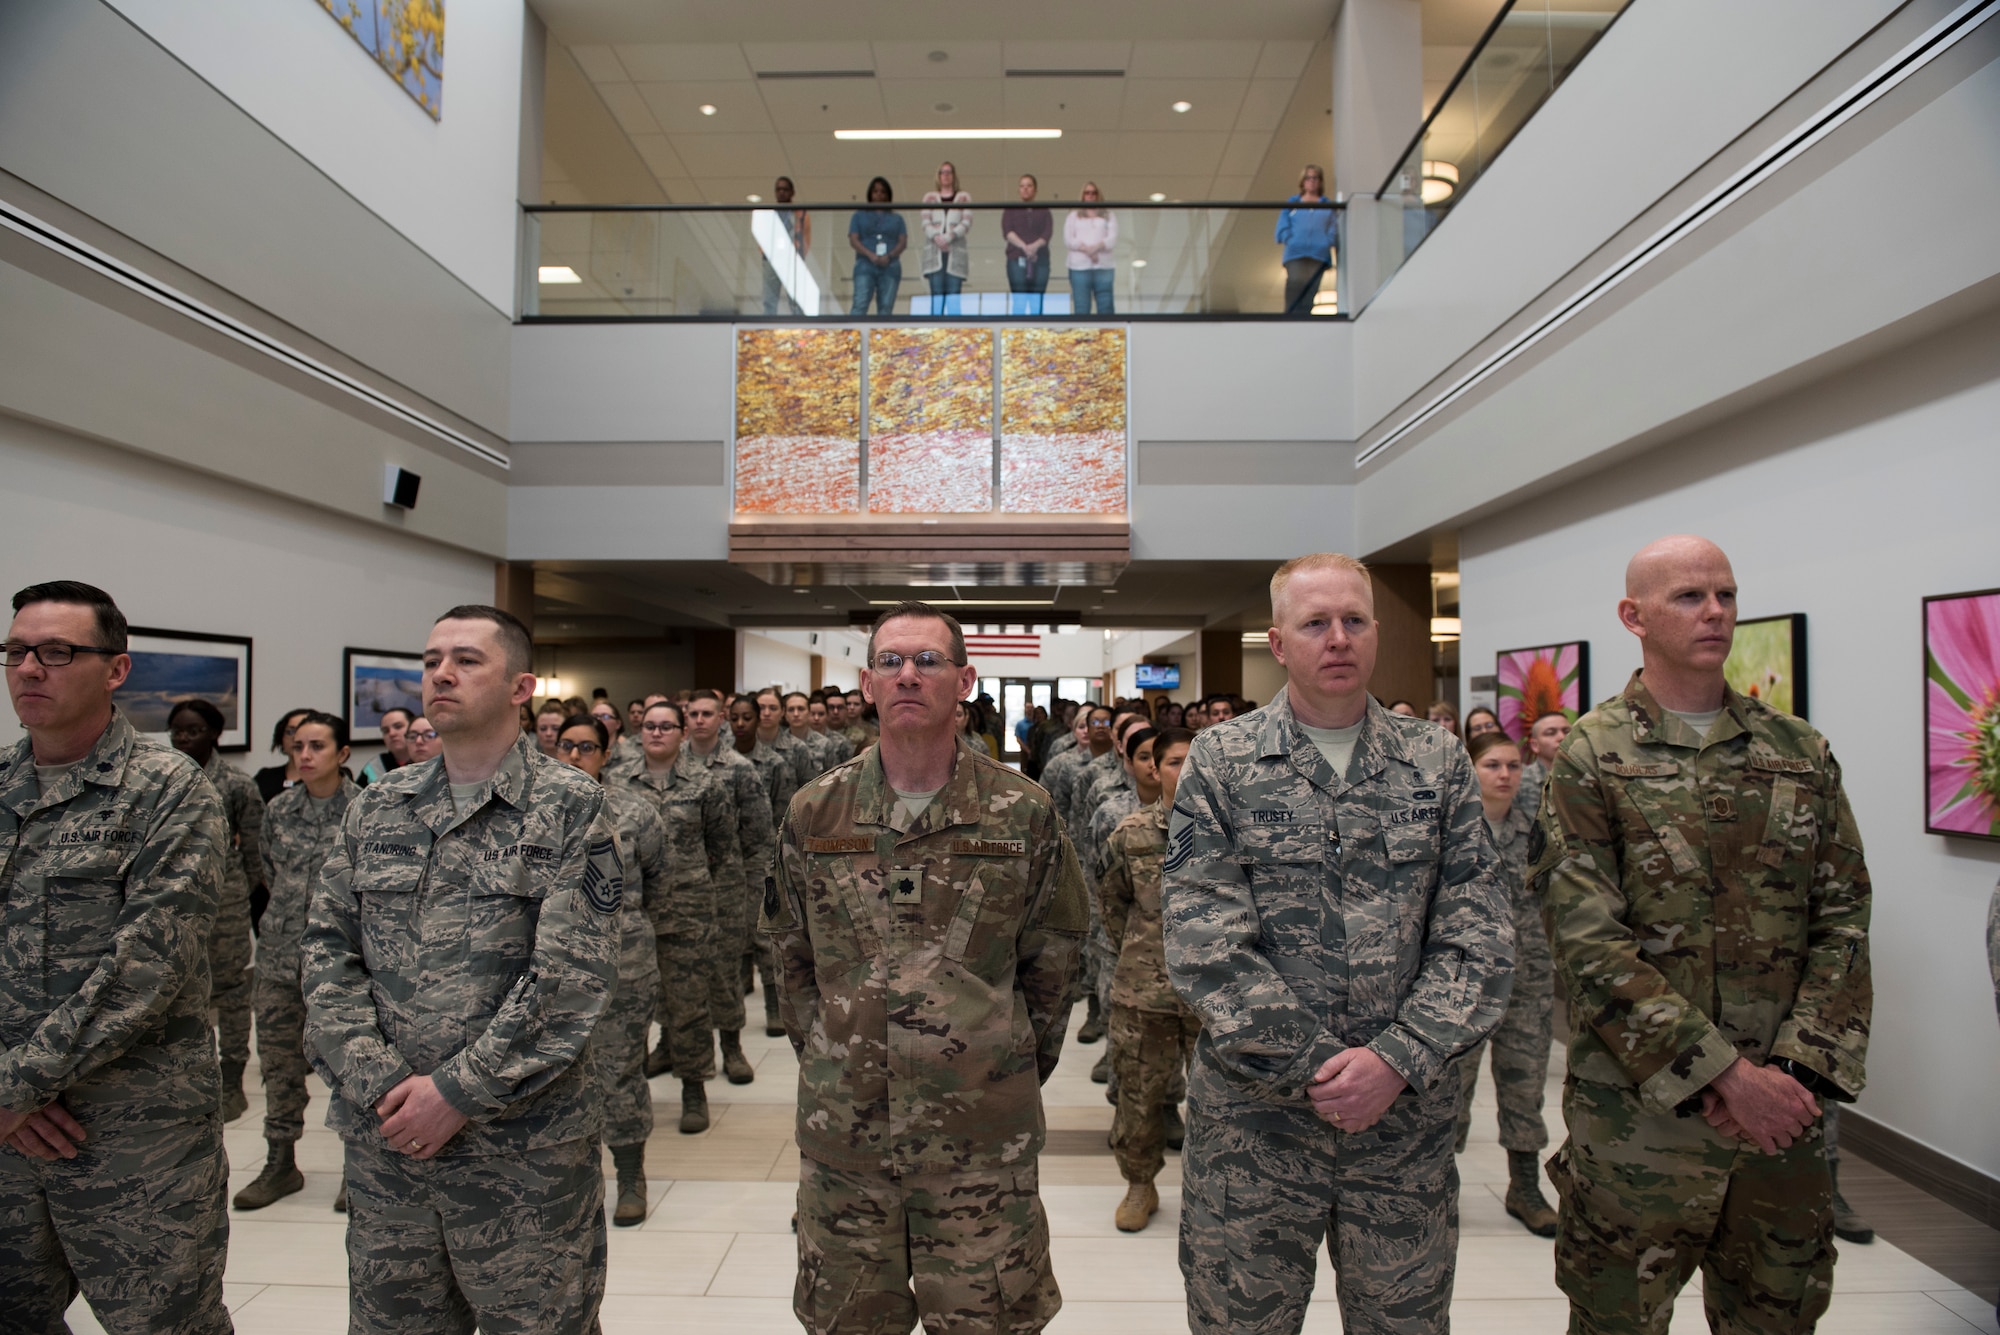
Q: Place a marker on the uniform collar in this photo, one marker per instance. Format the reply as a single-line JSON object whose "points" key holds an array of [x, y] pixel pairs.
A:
{"points": [[20, 790], [957, 803], [431, 801], [1652, 722], [1280, 734]]}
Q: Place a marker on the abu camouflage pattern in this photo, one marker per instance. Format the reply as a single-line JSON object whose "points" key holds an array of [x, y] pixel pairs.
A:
{"points": [[1305, 914], [1706, 898], [736, 903], [779, 776], [927, 972], [110, 882], [477, 947], [299, 835], [1521, 1043], [230, 987]]}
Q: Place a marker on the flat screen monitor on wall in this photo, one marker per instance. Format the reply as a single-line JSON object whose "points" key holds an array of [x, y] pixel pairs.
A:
{"points": [[1158, 676]]}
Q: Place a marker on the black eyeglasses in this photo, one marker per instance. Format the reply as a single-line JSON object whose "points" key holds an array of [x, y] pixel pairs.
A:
{"points": [[580, 748], [427, 735], [660, 727], [51, 653], [928, 663]]}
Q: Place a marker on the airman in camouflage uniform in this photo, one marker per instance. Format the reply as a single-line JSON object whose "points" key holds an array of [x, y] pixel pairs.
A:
{"points": [[1707, 903], [1152, 1030], [468, 942], [110, 875], [620, 1045], [1059, 771], [735, 903], [1521, 1043], [1343, 935], [229, 947], [779, 772], [703, 855], [927, 967], [299, 834]]}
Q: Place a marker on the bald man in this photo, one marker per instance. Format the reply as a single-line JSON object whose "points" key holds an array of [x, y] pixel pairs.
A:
{"points": [[1707, 902]]}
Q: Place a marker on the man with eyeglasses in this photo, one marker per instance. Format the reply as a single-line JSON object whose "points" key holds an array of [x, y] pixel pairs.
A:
{"points": [[927, 915], [113, 1181], [460, 951], [735, 903]]}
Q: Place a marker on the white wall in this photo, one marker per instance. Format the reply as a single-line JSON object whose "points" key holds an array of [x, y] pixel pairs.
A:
{"points": [[182, 552], [1263, 674], [1849, 501], [448, 185], [773, 662]]}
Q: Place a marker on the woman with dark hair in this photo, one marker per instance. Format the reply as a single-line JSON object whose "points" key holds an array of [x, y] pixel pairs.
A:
{"points": [[1479, 720], [1308, 237], [395, 747], [301, 826], [620, 1038], [878, 236], [274, 779], [1171, 715]]}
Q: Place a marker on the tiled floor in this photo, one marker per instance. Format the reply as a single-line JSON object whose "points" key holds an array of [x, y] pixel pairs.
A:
{"points": [[716, 1255]]}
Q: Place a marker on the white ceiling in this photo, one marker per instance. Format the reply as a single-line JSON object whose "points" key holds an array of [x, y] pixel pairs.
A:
{"points": [[1255, 115]]}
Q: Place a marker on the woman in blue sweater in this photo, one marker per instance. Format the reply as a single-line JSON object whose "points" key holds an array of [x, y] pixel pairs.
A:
{"points": [[1308, 236]]}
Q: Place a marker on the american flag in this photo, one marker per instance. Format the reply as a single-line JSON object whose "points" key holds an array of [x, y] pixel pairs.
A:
{"points": [[980, 645]]}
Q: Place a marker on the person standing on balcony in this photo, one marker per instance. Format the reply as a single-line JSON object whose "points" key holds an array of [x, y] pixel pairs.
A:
{"points": [[1028, 231], [947, 263], [1090, 234], [799, 227], [878, 236], [1308, 236]]}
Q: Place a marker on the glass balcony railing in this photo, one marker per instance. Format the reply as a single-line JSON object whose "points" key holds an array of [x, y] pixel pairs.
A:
{"points": [[1528, 50], [818, 262]]}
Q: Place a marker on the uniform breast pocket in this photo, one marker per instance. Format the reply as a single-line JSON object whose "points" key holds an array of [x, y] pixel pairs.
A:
{"points": [[1286, 867], [990, 910], [503, 906], [389, 935], [86, 895]]}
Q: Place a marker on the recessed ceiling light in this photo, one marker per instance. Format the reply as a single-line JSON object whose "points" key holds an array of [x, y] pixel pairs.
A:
{"points": [[707, 108], [557, 273], [947, 134], [938, 57], [1183, 107], [1157, 197], [1138, 264], [754, 199], [944, 106]]}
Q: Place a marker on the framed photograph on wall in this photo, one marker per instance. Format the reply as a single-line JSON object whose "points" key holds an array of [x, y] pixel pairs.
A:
{"points": [[374, 681], [1768, 662], [170, 665], [1962, 714], [1530, 682]]}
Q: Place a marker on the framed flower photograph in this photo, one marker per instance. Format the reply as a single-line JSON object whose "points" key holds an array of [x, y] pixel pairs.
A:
{"points": [[171, 665], [374, 681], [1962, 714], [1531, 682], [1768, 662]]}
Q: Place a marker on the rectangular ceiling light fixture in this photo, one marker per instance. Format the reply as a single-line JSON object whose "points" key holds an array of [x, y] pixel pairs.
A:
{"points": [[1065, 74], [815, 74], [947, 134], [557, 273], [971, 602]]}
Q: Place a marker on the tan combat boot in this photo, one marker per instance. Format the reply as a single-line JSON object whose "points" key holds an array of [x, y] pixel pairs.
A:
{"points": [[1141, 1203], [734, 1064], [1524, 1195], [280, 1178], [630, 1161]]}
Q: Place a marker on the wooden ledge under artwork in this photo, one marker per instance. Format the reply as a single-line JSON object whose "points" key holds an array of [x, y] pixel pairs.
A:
{"points": [[978, 549]]}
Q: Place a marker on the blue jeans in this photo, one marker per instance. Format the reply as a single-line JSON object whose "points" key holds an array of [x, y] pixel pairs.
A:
{"points": [[1085, 284], [945, 287], [881, 284], [1028, 280]]}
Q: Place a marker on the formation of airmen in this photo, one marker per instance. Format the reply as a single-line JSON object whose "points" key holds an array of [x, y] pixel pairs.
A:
{"points": [[1308, 918]]}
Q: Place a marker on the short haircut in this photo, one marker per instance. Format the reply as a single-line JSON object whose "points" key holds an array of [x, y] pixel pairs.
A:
{"points": [[704, 694], [920, 611], [591, 721], [784, 180], [333, 723], [1562, 714], [278, 728], [1486, 741], [111, 627], [637, 700], [515, 642], [1169, 738], [409, 715], [1315, 561], [1030, 176]]}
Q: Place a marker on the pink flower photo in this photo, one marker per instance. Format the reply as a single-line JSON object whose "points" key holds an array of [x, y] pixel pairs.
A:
{"points": [[1962, 714], [1531, 682]]}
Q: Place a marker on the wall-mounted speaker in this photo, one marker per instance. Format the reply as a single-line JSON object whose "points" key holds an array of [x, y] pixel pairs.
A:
{"points": [[399, 487]]}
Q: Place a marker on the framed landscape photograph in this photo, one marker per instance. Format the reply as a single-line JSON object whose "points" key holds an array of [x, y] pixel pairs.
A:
{"points": [[374, 681], [1962, 714], [1768, 662], [1530, 682], [170, 665]]}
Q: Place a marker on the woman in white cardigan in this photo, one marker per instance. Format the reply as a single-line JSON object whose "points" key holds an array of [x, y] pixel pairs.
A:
{"points": [[946, 262], [1090, 234]]}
